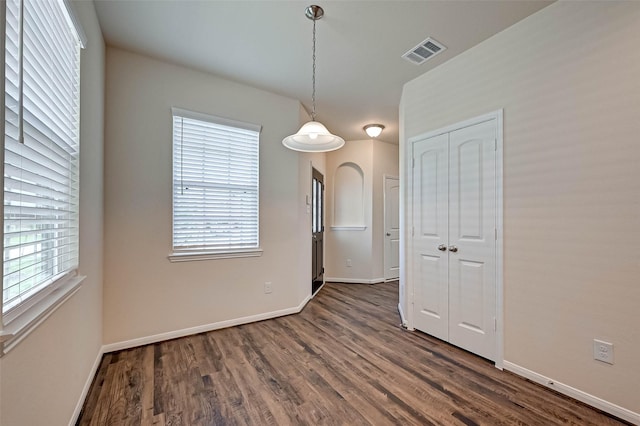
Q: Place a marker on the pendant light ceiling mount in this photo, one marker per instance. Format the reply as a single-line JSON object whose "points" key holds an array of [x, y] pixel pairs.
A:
{"points": [[313, 136], [314, 12]]}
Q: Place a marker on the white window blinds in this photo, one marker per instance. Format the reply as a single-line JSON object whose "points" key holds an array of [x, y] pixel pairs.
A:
{"points": [[41, 142], [215, 183]]}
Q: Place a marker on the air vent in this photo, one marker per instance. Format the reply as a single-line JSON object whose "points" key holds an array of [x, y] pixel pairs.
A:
{"points": [[425, 50]]}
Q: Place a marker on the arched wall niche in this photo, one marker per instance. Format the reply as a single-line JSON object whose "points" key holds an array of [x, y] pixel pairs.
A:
{"points": [[348, 197]]}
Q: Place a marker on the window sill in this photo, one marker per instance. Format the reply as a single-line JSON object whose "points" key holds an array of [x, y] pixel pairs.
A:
{"points": [[213, 254], [348, 228], [15, 331]]}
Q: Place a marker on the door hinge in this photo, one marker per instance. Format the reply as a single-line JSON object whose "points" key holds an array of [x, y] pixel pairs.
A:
{"points": [[496, 233], [323, 270], [413, 231], [495, 324], [495, 144], [413, 163]]}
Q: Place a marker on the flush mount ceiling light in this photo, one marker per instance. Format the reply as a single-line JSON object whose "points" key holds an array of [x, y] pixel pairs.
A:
{"points": [[313, 136], [373, 130]]}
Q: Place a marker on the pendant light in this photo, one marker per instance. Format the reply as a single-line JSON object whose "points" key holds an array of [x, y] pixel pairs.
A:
{"points": [[313, 136]]}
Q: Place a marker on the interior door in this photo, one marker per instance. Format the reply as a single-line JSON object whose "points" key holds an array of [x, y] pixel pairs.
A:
{"points": [[391, 228], [317, 230], [430, 236], [454, 244], [472, 240]]}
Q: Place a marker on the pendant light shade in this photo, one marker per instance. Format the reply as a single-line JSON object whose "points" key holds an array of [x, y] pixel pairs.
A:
{"points": [[313, 136]]}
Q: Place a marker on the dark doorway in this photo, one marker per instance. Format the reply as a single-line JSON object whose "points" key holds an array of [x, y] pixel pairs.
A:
{"points": [[317, 229]]}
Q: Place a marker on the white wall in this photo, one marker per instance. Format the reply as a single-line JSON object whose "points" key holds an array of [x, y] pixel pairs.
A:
{"points": [[343, 244], [364, 247], [567, 78], [144, 293], [42, 379], [385, 163]]}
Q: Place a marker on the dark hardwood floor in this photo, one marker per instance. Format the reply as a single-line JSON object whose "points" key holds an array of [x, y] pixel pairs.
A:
{"points": [[343, 360]]}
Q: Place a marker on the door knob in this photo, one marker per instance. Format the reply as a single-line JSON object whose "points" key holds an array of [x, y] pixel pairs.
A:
{"points": [[442, 247], [388, 234], [453, 249]]}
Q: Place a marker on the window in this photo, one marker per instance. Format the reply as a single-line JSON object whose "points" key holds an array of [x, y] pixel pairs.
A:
{"points": [[41, 147], [215, 187]]}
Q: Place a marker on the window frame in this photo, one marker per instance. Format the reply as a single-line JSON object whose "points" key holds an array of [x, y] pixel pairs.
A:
{"points": [[17, 322], [211, 253]]}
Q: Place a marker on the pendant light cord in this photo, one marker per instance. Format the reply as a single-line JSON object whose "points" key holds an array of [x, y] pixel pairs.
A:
{"points": [[313, 95]]}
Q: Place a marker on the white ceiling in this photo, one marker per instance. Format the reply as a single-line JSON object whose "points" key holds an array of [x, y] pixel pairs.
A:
{"points": [[267, 44]]}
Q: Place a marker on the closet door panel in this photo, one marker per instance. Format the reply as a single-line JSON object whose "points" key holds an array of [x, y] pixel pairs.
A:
{"points": [[472, 295], [430, 231]]}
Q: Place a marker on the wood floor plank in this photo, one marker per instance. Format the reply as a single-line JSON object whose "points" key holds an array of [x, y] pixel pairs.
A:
{"points": [[147, 415], [93, 397], [338, 379], [344, 360]]}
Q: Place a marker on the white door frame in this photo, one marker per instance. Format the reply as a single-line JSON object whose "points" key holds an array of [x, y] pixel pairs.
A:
{"points": [[409, 283], [384, 221]]}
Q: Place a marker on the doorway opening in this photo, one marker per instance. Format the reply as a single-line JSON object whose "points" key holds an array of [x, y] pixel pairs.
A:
{"points": [[317, 231], [391, 228]]}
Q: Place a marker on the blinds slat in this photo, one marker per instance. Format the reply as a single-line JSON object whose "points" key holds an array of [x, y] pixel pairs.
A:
{"points": [[31, 157], [33, 172], [58, 236]]}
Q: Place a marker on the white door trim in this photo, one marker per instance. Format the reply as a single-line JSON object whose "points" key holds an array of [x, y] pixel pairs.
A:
{"points": [[410, 287]]}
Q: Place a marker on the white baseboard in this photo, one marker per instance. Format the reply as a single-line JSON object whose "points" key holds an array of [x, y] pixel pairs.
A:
{"points": [[87, 386], [594, 401], [355, 280], [402, 317], [126, 344], [302, 304]]}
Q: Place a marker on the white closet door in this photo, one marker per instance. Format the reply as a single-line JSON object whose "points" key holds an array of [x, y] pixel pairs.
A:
{"points": [[430, 222], [472, 213], [454, 246]]}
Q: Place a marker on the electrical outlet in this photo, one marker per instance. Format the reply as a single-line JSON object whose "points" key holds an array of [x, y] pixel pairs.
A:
{"points": [[267, 287], [349, 263], [603, 351]]}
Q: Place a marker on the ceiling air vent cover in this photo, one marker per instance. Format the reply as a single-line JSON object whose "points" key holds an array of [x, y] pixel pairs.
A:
{"points": [[425, 50]]}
